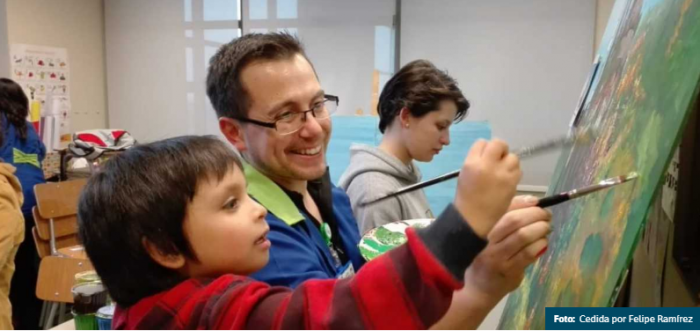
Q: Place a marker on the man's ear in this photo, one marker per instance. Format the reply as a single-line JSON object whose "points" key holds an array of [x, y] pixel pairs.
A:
{"points": [[170, 261], [232, 130]]}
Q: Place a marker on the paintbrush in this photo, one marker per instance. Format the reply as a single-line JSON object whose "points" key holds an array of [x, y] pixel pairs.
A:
{"points": [[576, 193], [522, 153]]}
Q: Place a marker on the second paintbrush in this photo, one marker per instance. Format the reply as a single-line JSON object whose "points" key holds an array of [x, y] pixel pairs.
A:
{"points": [[523, 153]]}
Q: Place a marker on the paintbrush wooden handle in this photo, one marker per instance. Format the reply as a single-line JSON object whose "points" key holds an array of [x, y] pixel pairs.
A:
{"points": [[414, 187], [522, 153], [553, 200]]}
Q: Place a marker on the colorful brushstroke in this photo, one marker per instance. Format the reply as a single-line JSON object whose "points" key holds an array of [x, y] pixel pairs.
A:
{"points": [[640, 102]]}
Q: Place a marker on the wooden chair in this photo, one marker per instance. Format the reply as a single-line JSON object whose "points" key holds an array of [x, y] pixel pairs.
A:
{"points": [[67, 245], [56, 279], [55, 236], [56, 209]]}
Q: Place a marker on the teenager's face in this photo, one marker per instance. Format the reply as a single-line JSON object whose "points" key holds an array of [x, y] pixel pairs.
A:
{"points": [[226, 229], [425, 136]]}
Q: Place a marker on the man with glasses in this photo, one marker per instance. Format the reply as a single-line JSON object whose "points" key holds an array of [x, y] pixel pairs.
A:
{"points": [[272, 108]]}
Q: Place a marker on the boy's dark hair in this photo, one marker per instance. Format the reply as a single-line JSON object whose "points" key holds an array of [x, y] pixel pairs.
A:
{"points": [[140, 194], [15, 105], [418, 86], [226, 93]]}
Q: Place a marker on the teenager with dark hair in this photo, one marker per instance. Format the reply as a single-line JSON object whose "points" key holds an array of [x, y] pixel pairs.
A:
{"points": [[416, 109]]}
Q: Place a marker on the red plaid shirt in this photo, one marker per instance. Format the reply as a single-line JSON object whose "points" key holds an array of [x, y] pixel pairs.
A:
{"points": [[409, 287]]}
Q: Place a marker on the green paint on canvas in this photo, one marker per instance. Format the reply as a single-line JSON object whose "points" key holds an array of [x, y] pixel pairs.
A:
{"points": [[640, 101]]}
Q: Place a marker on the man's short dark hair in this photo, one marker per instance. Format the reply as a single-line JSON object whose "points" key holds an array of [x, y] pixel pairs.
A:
{"points": [[226, 93], [420, 87], [140, 194]]}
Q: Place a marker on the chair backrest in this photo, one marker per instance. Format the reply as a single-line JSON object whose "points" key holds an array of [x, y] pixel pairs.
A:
{"points": [[43, 247], [57, 201]]}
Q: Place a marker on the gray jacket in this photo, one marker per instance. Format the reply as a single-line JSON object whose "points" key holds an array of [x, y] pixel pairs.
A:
{"points": [[373, 173]]}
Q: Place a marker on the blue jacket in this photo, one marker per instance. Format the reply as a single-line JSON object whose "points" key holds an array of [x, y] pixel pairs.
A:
{"points": [[299, 252], [25, 155]]}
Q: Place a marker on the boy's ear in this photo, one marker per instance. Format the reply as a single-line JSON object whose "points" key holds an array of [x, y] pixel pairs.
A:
{"points": [[232, 130], [170, 261]]}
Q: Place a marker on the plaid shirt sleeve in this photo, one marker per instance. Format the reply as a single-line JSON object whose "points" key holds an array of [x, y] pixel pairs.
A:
{"points": [[410, 287]]}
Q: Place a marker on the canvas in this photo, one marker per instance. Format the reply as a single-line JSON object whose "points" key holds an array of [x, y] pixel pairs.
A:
{"points": [[645, 87]]}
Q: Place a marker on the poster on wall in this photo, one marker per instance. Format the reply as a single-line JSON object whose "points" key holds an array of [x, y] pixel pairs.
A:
{"points": [[44, 74], [670, 187]]}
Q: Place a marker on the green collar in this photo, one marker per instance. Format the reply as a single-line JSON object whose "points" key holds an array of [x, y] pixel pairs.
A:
{"points": [[271, 196]]}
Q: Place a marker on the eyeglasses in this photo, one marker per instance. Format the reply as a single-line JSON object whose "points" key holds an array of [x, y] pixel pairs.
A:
{"points": [[289, 122]]}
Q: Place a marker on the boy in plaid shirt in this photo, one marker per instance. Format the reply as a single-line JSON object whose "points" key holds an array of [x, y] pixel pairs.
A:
{"points": [[172, 233]]}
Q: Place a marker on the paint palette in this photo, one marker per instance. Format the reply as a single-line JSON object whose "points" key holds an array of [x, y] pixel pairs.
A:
{"points": [[388, 236]]}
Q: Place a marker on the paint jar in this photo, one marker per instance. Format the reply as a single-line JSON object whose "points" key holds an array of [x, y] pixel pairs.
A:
{"points": [[87, 299], [86, 277], [90, 277], [85, 321], [104, 317]]}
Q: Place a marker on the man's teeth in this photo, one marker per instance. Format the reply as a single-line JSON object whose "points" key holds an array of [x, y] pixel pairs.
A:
{"points": [[310, 151]]}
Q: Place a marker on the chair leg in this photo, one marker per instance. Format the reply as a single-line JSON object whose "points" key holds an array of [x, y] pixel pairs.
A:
{"points": [[52, 314], [44, 308], [62, 313]]}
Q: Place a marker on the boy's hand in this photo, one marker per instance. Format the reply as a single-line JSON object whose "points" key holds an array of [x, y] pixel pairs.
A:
{"points": [[516, 241], [487, 184]]}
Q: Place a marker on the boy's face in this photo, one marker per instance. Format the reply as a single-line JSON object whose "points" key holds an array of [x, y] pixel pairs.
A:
{"points": [[226, 229]]}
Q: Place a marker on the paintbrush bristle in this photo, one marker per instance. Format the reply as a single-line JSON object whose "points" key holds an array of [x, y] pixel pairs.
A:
{"points": [[622, 179], [632, 175]]}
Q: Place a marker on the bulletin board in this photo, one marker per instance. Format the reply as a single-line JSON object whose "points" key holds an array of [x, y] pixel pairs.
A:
{"points": [[44, 74]]}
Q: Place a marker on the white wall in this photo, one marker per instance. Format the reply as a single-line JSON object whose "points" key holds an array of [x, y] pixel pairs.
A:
{"points": [[146, 76], [78, 26], [151, 93], [340, 40], [522, 64], [4, 45]]}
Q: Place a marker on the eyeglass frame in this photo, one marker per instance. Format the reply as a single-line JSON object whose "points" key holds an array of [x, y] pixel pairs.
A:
{"points": [[273, 125]]}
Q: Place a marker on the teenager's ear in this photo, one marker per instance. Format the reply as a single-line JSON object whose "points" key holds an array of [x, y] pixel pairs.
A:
{"points": [[170, 261], [405, 117], [232, 130]]}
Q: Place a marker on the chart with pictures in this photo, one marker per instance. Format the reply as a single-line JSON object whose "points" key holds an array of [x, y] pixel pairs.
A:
{"points": [[43, 72]]}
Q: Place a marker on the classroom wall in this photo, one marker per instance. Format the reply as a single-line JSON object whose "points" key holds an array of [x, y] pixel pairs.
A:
{"points": [[4, 46], [157, 55], [522, 64], [341, 40], [147, 83], [78, 26]]}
